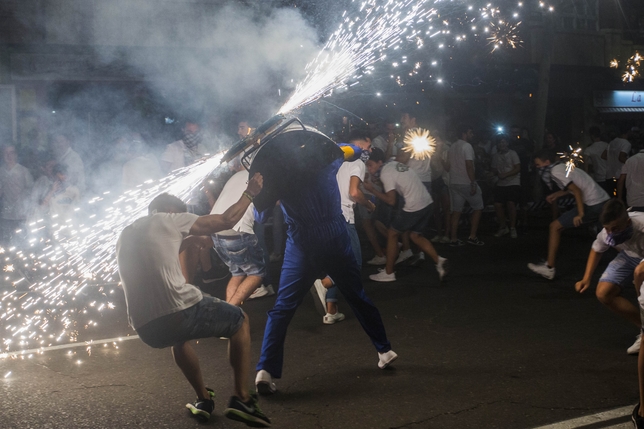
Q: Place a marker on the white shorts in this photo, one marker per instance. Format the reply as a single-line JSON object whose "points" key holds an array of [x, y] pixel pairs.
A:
{"points": [[460, 194]]}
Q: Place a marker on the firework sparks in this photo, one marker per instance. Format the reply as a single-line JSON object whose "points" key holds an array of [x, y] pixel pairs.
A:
{"points": [[572, 158], [632, 71], [504, 33], [419, 142]]}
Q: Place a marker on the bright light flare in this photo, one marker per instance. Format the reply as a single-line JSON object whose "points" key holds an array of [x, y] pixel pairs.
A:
{"points": [[419, 142], [572, 157]]}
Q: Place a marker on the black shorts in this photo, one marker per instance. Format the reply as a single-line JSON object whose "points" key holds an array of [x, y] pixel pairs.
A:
{"points": [[506, 194], [412, 221]]}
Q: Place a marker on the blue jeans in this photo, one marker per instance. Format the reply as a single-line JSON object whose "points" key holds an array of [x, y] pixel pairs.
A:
{"points": [[242, 253], [303, 259], [332, 293]]}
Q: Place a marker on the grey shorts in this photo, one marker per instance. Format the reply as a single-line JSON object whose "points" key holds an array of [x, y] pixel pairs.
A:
{"points": [[242, 253], [620, 270], [210, 317], [460, 194]]}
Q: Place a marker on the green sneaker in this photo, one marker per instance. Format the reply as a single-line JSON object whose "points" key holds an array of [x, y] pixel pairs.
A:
{"points": [[247, 412], [203, 408]]}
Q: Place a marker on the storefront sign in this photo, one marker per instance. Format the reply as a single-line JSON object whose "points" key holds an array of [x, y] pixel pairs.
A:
{"points": [[621, 99]]}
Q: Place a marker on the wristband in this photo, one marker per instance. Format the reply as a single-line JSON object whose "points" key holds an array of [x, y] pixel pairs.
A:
{"points": [[248, 195]]}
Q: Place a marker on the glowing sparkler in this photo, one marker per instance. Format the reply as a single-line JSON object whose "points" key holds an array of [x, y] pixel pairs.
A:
{"points": [[572, 158], [419, 142], [632, 68], [504, 33]]}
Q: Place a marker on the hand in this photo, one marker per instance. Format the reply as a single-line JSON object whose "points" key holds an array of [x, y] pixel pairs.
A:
{"points": [[255, 185], [368, 185], [370, 206], [582, 285], [551, 198], [473, 188], [578, 220]]}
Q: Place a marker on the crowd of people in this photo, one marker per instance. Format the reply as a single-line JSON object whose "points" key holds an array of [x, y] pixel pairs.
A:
{"points": [[402, 203]]}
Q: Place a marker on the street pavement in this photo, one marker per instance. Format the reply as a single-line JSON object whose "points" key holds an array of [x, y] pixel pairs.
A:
{"points": [[493, 346]]}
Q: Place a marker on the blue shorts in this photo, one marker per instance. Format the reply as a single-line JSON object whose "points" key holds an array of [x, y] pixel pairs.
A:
{"points": [[242, 253], [591, 214], [620, 270], [412, 221], [210, 317]]}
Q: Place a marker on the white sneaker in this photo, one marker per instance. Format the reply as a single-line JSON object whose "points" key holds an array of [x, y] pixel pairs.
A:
{"points": [[262, 291], [264, 383], [319, 296], [436, 239], [404, 255], [377, 260], [385, 359], [502, 231], [513, 232], [445, 239], [382, 276], [635, 348], [543, 270], [330, 319], [441, 267]]}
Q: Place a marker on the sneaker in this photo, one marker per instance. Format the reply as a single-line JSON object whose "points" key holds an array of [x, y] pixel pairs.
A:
{"points": [[635, 348], [445, 240], [436, 239], [382, 276], [212, 275], [457, 243], [441, 267], [319, 296], [377, 260], [502, 231], [638, 421], [264, 383], [385, 359], [203, 408], [247, 412], [262, 291], [543, 270], [404, 255], [275, 257], [513, 233], [475, 241], [330, 319]]}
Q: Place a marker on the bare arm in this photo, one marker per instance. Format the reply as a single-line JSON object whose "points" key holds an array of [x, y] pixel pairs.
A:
{"points": [[515, 170], [210, 224], [621, 182], [356, 194], [591, 265], [388, 198], [579, 199], [623, 156]]}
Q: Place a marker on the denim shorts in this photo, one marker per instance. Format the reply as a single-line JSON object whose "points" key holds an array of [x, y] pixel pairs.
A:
{"points": [[242, 253], [412, 221], [459, 194], [591, 214], [620, 270], [210, 317]]}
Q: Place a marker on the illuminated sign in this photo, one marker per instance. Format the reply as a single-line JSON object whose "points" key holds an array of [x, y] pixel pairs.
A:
{"points": [[632, 99]]}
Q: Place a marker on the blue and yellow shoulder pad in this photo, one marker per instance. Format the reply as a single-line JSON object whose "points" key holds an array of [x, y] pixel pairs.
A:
{"points": [[351, 152]]}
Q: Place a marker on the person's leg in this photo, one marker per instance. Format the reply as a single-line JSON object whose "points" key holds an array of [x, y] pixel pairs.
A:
{"points": [[244, 289], [232, 286], [500, 215], [370, 232], [190, 254], [447, 215], [239, 357], [512, 212], [392, 250], [406, 245], [186, 359], [425, 245], [331, 295], [475, 219], [553, 241], [296, 279], [609, 295]]}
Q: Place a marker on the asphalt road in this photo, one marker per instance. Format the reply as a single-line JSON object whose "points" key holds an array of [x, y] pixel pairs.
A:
{"points": [[494, 346]]}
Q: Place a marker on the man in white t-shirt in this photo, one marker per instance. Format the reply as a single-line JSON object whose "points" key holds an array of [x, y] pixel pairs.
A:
{"points": [[239, 247], [61, 147], [616, 155], [166, 311], [589, 198], [594, 162], [507, 191], [183, 152], [398, 179], [463, 187], [15, 188], [624, 232], [632, 178]]}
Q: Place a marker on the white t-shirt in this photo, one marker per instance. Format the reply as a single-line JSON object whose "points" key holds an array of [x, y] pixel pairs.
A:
{"points": [[591, 192], [178, 155], [459, 152], [632, 247], [505, 162], [593, 154], [422, 167], [405, 181], [347, 170], [15, 184], [634, 171], [147, 253], [615, 147], [231, 193], [75, 169]]}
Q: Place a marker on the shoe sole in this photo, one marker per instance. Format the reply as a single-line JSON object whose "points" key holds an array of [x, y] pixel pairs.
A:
{"points": [[264, 388], [246, 418], [385, 365], [381, 280]]}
